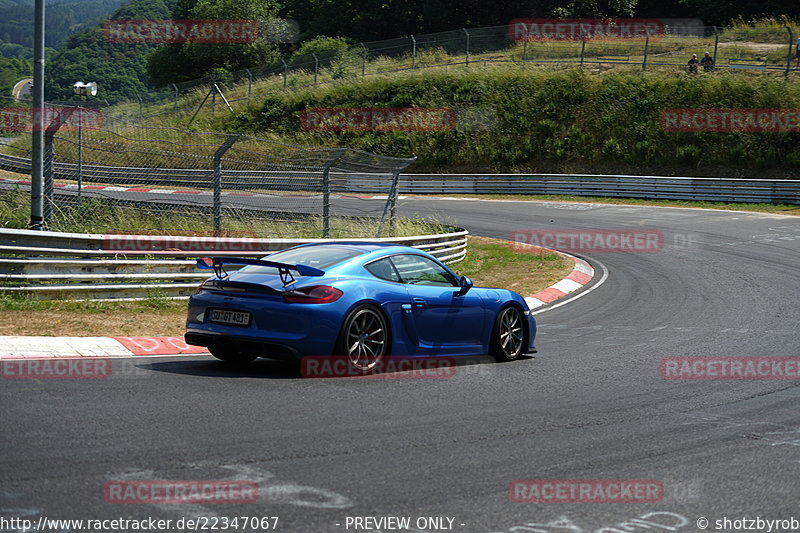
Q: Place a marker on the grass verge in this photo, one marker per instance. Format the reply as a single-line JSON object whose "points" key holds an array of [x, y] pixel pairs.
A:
{"points": [[489, 262]]}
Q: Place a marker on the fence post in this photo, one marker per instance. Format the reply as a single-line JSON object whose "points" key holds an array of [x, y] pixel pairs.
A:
{"points": [[316, 68], [646, 47], [285, 72], [525, 45], [583, 47], [363, 60], [141, 107], [326, 191], [224, 147], [716, 44], [789, 54], [80, 158], [176, 95], [393, 199], [49, 160], [413, 53], [390, 205], [467, 54], [249, 85]]}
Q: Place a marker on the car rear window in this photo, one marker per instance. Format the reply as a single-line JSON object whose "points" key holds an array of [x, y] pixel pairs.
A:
{"points": [[320, 257]]}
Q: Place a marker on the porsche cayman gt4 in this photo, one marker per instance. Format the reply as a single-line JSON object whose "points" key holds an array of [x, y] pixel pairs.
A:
{"points": [[360, 300]]}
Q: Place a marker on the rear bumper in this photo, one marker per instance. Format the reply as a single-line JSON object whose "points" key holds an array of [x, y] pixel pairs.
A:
{"points": [[243, 345]]}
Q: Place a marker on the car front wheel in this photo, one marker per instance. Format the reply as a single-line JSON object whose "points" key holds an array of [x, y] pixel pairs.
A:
{"points": [[508, 335]]}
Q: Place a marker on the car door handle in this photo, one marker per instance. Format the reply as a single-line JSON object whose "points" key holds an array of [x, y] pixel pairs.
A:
{"points": [[418, 302]]}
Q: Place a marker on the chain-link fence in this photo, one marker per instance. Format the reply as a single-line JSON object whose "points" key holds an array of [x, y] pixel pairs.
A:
{"points": [[768, 51], [107, 173]]}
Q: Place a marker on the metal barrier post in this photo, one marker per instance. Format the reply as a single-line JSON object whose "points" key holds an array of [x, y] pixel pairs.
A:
{"points": [[413, 53], [646, 47], [789, 54], [176, 96], [285, 72], [316, 68], [232, 138], [326, 192]]}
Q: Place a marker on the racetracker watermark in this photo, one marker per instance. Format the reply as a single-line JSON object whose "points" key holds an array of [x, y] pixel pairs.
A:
{"points": [[731, 120], [521, 30], [397, 119], [198, 241], [180, 492], [589, 241], [55, 118], [50, 368], [335, 366], [731, 368], [586, 491], [180, 31]]}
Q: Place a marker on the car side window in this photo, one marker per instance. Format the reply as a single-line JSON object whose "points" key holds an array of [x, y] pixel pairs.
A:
{"points": [[383, 269], [419, 270]]}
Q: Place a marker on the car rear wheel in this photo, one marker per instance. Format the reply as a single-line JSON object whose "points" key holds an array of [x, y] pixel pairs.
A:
{"points": [[364, 338], [508, 336], [231, 355]]}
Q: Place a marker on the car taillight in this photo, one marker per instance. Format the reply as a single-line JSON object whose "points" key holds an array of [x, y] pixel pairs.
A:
{"points": [[318, 294]]}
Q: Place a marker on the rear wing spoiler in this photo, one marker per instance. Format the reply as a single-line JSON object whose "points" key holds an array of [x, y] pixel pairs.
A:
{"points": [[284, 269]]}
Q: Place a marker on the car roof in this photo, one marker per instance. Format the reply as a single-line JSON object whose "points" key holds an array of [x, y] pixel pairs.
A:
{"points": [[371, 250]]}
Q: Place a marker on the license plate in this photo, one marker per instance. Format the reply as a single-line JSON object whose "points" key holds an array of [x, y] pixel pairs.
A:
{"points": [[234, 318]]}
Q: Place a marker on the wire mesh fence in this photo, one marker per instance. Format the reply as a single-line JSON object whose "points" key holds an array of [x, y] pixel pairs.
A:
{"points": [[767, 51], [107, 173]]}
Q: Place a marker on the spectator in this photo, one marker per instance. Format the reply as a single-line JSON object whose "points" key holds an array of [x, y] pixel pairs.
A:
{"points": [[707, 62], [693, 64]]}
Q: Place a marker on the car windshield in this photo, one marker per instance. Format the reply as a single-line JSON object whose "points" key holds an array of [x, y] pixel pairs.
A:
{"points": [[320, 257]]}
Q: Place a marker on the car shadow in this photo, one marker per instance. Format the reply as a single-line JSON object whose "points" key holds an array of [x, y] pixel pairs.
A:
{"points": [[278, 369], [260, 368]]}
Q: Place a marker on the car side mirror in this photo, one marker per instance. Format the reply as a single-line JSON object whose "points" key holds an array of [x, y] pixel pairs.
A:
{"points": [[466, 284]]}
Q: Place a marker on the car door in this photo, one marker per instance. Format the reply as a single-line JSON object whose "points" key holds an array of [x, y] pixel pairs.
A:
{"points": [[444, 321]]}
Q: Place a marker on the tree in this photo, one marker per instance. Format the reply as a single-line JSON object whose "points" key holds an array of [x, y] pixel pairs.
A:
{"points": [[171, 63]]}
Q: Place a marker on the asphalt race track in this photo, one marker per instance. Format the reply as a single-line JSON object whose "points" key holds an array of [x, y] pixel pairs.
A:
{"points": [[591, 405]]}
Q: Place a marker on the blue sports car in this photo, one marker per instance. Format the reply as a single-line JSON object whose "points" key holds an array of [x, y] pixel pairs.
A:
{"points": [[362, 300]]}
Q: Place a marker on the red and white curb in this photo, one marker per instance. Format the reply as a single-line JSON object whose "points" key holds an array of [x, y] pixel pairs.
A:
{"points": [[74, 187], [582, 273], [18, 347]]}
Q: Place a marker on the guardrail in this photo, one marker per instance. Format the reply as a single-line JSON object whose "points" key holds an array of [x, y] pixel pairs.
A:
{"points": [[134, 267], [616, 186], [606, 185]]}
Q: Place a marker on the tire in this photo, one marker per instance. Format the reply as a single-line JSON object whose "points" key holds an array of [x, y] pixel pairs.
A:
{"points": [[508, 334], [364, 338], [231, 355]]}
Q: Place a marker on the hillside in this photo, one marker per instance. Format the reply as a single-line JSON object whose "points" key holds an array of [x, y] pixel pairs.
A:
{"points": [[551, 122], [119, 68], [62, 19]]}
